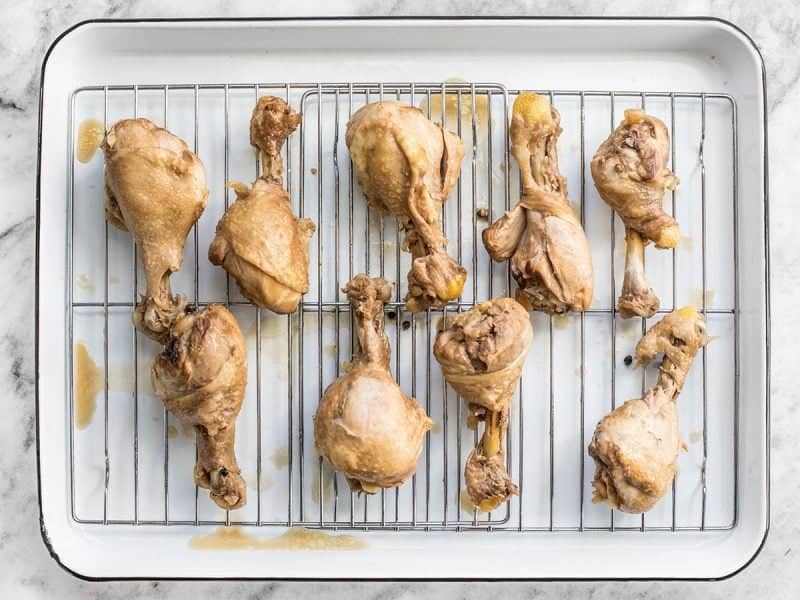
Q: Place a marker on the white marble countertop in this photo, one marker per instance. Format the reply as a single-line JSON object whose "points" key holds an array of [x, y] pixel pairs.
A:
{"points": [[26, 30]]}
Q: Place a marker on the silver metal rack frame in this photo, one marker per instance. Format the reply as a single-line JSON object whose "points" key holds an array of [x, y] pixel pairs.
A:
{"points": [[427, 501]]}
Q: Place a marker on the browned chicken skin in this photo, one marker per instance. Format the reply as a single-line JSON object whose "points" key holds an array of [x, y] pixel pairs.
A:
{"points": [[259, 241], [635, 448], [408, 166], [630, 173], [201, 376], [156, 189], [549, 252], [365, 426], [482, 352]]}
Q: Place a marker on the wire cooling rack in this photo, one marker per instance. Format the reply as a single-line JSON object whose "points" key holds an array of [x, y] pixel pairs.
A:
{"points": [[132, 463]]}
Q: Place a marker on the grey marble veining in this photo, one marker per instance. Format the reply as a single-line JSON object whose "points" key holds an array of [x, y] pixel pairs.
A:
{"points": [[26, 29]]}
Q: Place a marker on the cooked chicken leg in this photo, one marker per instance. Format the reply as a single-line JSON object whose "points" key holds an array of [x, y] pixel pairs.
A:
{"points": [[550, 257], [156, 189], [635, 448], [482, 352], [201, 376], [365, 426], [630, 173], [408, 166], [259, 241]]}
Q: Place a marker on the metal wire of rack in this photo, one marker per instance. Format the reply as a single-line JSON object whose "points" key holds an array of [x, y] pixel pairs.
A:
{"points": [[431, 500]]}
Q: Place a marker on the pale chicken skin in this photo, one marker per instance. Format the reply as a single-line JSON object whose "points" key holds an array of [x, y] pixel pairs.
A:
{"points": [[259, 241], [408, 166], [482, 352], [365, 426], [550, 257], [630, 173], [156, 189], [636, 447], [201, 376]]}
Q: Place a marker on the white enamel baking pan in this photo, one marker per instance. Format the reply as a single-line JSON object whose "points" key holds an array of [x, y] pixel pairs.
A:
{"points": [[720, 517]]}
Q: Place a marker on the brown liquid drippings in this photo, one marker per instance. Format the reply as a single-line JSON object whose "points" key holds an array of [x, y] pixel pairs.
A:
{"points": [[327, 483], [451, 111], [88, 382], [90, 136], [281, 458], [85, 283], [274, 333], [296, 538]]}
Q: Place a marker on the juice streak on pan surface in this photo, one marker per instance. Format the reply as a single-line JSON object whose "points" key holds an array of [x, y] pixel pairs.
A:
{"points": [[296, 538], [88, 383]]}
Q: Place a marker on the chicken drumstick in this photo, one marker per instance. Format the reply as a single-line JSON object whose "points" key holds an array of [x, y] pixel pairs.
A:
{"points": [[365, 426], [156, 189], [408, 166], [630, 173], [550, 257], [259, 241], [482, 352], [635, 448], [201, 376]]}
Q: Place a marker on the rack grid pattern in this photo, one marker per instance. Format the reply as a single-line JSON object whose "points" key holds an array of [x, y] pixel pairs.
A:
{"points": [[326, 192]]}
